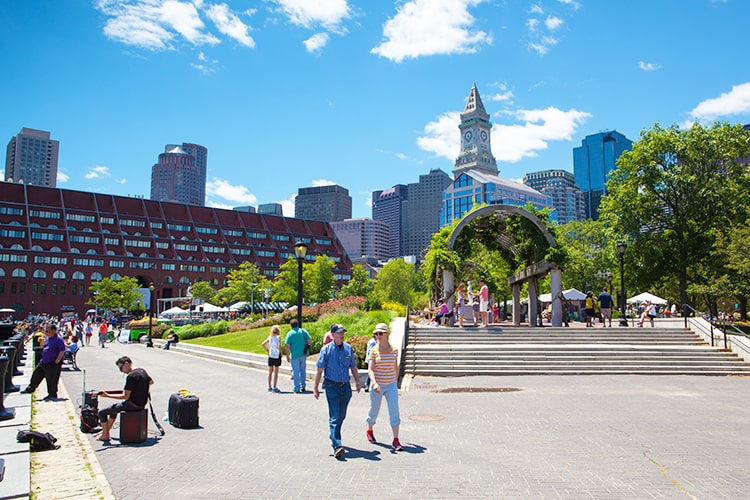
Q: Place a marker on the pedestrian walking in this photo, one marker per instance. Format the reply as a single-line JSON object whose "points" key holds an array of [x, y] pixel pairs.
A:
{"points": [[297, 344], [103, 333], [88, 332], [335, 361], [272, 345], [382, 366]]}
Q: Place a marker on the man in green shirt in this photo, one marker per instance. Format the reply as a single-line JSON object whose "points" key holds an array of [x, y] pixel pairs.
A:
{"points": [[295, 342]]}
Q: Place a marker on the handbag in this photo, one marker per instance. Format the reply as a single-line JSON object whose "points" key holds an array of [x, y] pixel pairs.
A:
{"points": [[306, 350]]}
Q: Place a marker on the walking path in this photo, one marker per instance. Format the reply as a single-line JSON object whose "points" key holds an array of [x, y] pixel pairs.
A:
{"points": [[516, 437]]}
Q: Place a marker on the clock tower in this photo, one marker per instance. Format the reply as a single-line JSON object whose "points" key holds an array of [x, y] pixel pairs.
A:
{"points": [[476, 153]]}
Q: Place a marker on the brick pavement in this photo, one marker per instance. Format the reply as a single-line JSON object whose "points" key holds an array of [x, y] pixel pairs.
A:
{"points": [[556, 437]]}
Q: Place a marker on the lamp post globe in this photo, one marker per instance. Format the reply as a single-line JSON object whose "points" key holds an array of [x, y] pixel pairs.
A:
{"points": [[621, 246], [151, 288], [300, 251]]}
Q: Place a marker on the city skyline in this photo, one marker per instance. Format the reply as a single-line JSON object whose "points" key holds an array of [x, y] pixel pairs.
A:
{"points": [[345, 92]]}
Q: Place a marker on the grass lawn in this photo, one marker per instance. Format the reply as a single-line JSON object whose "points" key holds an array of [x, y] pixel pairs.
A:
{"points": [[243, 340]]}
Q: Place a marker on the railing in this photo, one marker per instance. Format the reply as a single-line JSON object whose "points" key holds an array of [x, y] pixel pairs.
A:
{"points": [[721, 325], [404, 343]]}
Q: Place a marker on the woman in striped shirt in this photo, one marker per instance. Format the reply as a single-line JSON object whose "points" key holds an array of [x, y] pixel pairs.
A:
{"points": [[382, 367]]}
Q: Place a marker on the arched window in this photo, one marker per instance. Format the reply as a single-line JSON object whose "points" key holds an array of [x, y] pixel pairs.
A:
{"points": [[168, 279], [37, 248], [91, 251], [213, 282], [184, 280], [40, 274], [74, 250], [16, 247], [55, 249], [110, 252], [2, 272], [144, 254], [96, 276], [115, 277], [78, 275], [58, 275]]}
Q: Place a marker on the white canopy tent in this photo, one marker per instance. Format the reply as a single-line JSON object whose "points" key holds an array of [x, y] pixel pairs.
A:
{"points": [[175, 311], [569, 294], [238, 305], [645, 296], [210, 308]]}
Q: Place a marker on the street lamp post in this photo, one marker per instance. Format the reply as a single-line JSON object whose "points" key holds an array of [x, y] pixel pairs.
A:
{"points": [[300, 250], [252, 298], [149, 342], [621, 252], [122, 300]]}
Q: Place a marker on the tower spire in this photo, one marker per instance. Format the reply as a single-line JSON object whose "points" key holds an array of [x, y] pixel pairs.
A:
{"points": [[475, 127]]}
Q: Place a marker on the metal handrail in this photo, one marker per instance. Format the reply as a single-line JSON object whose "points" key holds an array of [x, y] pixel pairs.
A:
{"points": [[404, 343], [722, 325]]}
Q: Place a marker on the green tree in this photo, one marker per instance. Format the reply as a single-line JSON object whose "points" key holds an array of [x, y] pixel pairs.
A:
{"points": [[395, 282], [110, 294], [243, 283], [672, 190], [317, 279], [203, 291], [360, 285], [284, 288]]}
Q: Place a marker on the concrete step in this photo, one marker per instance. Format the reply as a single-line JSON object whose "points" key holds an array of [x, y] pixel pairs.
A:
{"points": [[459, 372]]}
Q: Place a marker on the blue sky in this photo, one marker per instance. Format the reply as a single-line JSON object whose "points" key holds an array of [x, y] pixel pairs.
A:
{"points": [[362, 93]]}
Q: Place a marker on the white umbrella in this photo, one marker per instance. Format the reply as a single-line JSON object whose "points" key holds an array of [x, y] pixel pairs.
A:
{"points": [[7, 310], [570, 294], [174, 311], [645, 296], [210, 308]]}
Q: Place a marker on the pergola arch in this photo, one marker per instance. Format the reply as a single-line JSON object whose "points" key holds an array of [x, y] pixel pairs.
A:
{"points": [[530, 274]]}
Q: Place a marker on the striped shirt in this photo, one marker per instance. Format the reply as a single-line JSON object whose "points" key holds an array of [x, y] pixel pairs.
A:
{"points": [[384, 365]]}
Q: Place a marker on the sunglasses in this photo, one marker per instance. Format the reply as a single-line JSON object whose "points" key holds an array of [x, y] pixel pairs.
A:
{"points": [[378, 334]]}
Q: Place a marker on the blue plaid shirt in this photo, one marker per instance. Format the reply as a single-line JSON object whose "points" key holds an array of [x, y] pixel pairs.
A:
{"points": [[336, 361]]}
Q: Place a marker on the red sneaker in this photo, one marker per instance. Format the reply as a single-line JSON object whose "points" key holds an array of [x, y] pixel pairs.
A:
{"points": [[397, 445], [370, 436]]}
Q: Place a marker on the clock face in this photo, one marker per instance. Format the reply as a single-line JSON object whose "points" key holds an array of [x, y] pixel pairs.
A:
{"points": [[483, 135], [468, 135]]}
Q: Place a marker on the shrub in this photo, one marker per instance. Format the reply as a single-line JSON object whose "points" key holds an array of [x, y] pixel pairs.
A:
{"points": [[359, 345], [160, 331], [394, 306], [204, 330]]}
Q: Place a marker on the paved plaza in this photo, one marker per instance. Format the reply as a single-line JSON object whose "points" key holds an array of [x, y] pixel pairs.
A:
{"points": [[472, 437]]}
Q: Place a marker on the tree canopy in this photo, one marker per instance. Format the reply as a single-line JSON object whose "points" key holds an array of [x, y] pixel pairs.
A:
{"points": [[671, 192]]}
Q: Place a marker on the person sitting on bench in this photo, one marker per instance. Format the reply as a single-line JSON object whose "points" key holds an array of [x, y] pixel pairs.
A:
{"points": [[172, 339], [134, 396], [443, 312]]}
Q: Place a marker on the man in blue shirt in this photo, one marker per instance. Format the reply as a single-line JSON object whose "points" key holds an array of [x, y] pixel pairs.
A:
{"points": [[605, 306], [50, 365], [336, 360], [295, 342]]}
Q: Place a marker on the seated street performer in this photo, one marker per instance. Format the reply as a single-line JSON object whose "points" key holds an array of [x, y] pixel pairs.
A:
{"points": [[134, 395]]}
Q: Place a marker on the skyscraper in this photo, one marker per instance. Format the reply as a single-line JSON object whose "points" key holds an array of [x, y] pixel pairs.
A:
{"points": [[561, 187], [363, 237], [180, 175], [323, 203], [592, 161], [31, 158], [476, 180], [387, 205], [420, 216]]}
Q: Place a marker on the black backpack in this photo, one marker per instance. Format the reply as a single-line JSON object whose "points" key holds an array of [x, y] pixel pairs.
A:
{"points": [[39, 441], [89, 420]]}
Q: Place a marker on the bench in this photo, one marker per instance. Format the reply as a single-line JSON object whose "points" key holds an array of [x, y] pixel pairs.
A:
{"points": [[70, 357]]}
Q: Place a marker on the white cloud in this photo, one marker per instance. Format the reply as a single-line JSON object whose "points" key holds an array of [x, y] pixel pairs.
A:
{"points": [[648, 66], [734, 102], [229, 24], [536, 9], [510, 143], [316, 42], [230, 192], [157, 24], [543, 45], [287, 206], [572, 3], [97, 172], [225, 206], [322, 182], [553, 22], [430, 27], [503, 95], [327, 13], [62, 177], [184, 19]]}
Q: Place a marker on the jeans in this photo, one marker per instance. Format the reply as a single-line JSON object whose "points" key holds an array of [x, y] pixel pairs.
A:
{"points": [[390, 392], [338, 397], [299, 367]]}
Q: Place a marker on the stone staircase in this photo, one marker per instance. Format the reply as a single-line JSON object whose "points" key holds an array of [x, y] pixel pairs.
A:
{"points": [[450, 351]]}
